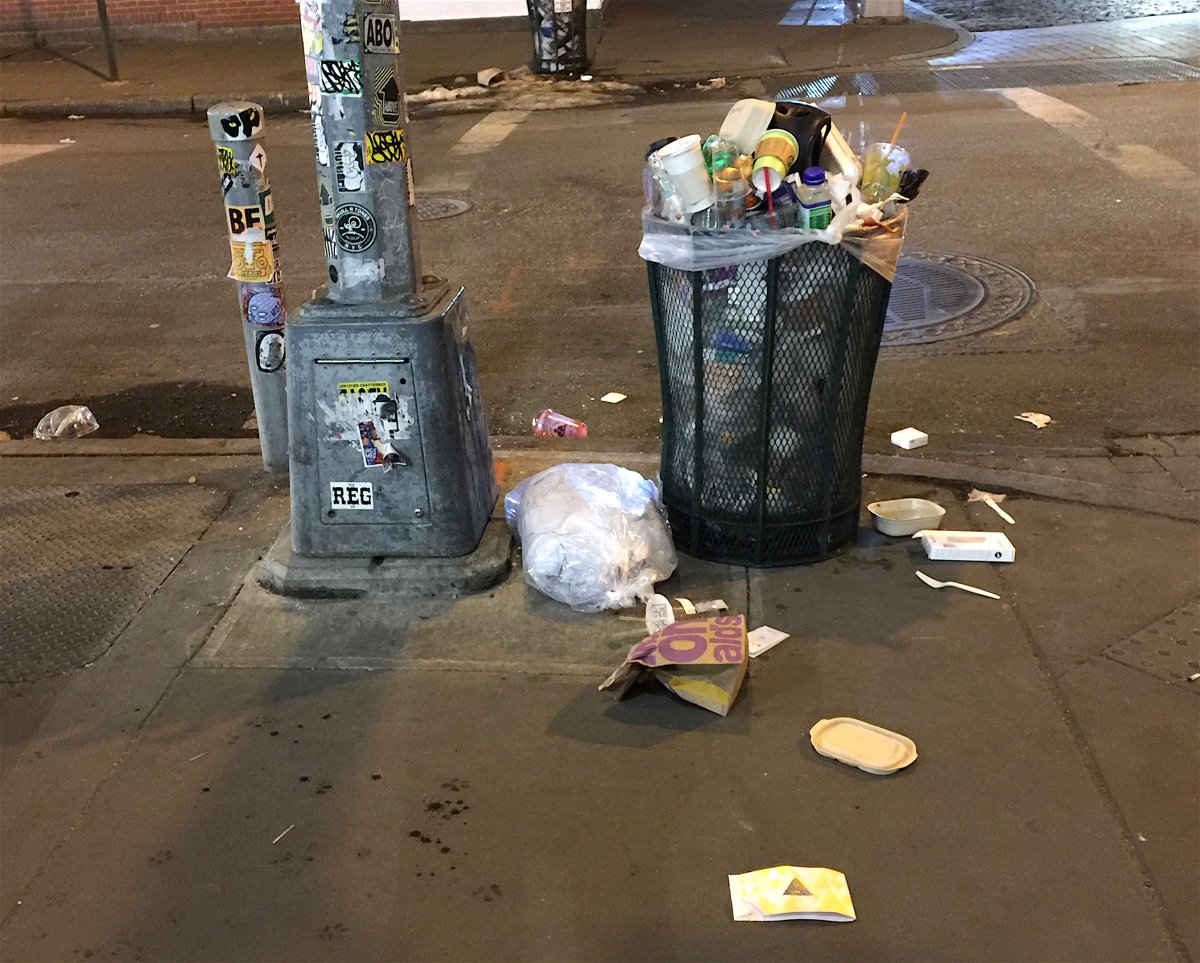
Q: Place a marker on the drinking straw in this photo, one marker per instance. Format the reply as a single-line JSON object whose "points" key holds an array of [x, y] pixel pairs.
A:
{"points": [[770, 198], [899, 124]]}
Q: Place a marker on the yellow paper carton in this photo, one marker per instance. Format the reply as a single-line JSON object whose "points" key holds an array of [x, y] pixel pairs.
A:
{"points": [[791, 893]]}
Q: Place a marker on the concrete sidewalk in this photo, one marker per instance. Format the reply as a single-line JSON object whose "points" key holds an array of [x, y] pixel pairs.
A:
{"points": [[477, 798], [659, 42]]}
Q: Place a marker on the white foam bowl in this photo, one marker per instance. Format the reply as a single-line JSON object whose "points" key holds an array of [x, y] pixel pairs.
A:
{"points": [[906, 516]]}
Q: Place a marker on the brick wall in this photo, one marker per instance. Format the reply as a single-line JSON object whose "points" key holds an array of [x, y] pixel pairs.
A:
{"points": [[27, 16]]}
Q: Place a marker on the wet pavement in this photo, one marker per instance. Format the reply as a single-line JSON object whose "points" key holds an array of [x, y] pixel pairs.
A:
{"points": [[983, 15]]}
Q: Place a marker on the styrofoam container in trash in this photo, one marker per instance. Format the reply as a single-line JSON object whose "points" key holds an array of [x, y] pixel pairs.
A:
{"points": [[746, 122], [860, 744], [906, 516]]}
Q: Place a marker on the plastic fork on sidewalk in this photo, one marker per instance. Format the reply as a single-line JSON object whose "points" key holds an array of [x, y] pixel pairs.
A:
{"points": [[934, 583]]}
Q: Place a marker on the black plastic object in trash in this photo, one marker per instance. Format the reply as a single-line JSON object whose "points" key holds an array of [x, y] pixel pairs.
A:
{"points": [[766, 373], [559, 36]]}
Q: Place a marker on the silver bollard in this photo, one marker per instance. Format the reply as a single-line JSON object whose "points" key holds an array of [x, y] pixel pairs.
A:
{"points": [[236, 128]]}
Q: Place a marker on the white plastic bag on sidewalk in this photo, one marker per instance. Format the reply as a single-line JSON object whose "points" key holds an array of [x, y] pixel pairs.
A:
{"points": [[592, 536]]}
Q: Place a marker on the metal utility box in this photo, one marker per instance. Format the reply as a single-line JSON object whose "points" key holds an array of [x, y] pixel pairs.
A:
{"points": [[389, 448]]}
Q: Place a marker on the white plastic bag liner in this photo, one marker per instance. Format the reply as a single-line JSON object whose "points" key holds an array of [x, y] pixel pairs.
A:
{"points": [[592, 536], [679, 246]]}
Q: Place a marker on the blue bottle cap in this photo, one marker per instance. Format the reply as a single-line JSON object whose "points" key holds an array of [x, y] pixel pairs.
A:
{"points": [[814, 176]]}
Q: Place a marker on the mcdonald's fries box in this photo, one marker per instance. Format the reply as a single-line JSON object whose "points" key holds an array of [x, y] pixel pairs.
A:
{"points": [[701, 660]]}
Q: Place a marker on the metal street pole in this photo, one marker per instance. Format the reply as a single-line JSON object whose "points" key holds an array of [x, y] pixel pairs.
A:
{"points": [[236, 128], [365, 180], [389, 450], [106, 30]]}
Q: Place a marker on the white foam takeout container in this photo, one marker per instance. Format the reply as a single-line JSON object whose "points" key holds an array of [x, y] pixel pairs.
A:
{"points": [[860, 744], [906, 516]]}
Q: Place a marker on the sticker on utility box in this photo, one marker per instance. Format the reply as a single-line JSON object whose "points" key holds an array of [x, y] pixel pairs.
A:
{"points": [[351, 495]]}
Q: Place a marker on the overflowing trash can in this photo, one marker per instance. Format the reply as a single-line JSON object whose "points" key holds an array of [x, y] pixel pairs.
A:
{"points": [[559, 30], [768, 333]]}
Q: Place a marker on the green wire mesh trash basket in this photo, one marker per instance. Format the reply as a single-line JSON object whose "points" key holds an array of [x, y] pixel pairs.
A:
{"points": [[559, 29], [766, 371]]}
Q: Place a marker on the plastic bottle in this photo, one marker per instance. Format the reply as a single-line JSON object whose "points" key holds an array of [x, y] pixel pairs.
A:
{"points": [[816, 211], [554, 425]]}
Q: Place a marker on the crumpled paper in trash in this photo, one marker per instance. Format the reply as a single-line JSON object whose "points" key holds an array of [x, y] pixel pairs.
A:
{"points": [[701, 660], [791, 893]]}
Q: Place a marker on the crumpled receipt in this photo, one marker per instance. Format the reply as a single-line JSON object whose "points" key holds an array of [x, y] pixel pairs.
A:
{"points": [[791, 893]]}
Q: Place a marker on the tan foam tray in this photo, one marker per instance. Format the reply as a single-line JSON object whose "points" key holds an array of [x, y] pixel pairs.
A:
{"points": [[860, 744]]}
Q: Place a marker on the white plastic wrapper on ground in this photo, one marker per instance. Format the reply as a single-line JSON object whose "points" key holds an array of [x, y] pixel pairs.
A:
{"points": [[592, 536]]}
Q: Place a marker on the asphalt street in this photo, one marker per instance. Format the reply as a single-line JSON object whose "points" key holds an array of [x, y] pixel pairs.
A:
{"points": [[115, 294]]}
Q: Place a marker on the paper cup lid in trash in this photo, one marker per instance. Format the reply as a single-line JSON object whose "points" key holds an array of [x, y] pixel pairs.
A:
{"points": [[857, 743]]}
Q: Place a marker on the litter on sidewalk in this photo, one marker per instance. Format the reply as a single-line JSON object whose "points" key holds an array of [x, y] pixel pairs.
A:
{"points": [[791, 893], [909, 438], [703, 661], [992, 501], [764, 638], [592, 536], [967, 546], [613, 397], [662, 611], [69, 421], [934, 583], [865, 746], [1035, 418], [551, 424], [906, 516]]}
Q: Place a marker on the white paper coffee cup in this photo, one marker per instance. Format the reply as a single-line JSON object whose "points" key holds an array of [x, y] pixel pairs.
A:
{"points": [[684, 162]]}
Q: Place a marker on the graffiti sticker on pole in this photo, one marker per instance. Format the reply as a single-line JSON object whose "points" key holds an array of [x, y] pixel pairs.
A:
{"points": [[387, 97], [246, 223], [268, 351], [226, 162], [355, 227], [350, 32], [386, 146], [318, 126], [251, 261], [381, 33], [243, 124], [341, 77], [348, 163], [263, 307]]}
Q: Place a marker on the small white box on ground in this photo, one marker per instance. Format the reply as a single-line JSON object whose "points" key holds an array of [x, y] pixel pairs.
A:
{"points": [[909, 438], [968, 546]]}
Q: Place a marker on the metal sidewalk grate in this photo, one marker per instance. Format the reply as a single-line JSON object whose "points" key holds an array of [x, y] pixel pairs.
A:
{"points": [[83, 562], [1123, 70]]}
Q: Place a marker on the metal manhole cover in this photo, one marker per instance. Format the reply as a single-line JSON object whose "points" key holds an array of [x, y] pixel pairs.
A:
{"points": [[1169, 649], [431, 207], [83, 562], [994, 76], [938, 296]]}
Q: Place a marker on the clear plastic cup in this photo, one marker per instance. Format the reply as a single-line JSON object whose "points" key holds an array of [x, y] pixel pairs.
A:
{"points": [[882, 166]]}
